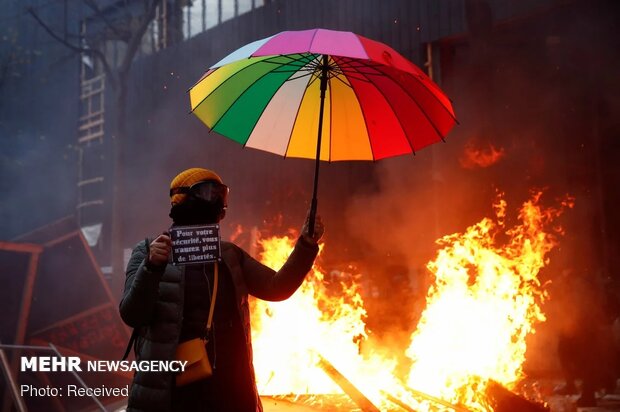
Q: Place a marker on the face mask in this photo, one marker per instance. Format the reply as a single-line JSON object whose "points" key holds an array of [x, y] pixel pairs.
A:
{"points": [[196, 211]]}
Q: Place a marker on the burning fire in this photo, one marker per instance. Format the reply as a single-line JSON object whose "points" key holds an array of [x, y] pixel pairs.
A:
{"points": [[484, 302], [480, 157], [289, 336]]}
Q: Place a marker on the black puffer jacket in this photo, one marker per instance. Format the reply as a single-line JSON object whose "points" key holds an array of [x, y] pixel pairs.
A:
{"points": [[153, 303]]}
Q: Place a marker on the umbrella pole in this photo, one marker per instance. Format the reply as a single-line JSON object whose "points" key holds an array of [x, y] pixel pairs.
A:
{"points": [[313, 206]]}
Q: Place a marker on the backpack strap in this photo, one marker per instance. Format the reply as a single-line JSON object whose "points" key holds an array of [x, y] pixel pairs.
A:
{"points": [[134, 333], [132, 340], [213, 297]]}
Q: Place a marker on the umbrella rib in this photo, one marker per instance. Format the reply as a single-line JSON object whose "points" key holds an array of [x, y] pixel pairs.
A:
{"points": [[348, 61], [348, 74], [261, 114], [312, 39], [375, 69], [396, 116], [288, 64], [239, 97], [365, 123], [207, 73], [303, 69], [435, 86], [313, 78], [307, 59], [290, 136], [225, 81], [331, 120], [441, 136], [379, 68], [288, 71], [302, 57], [335, 70], [433, 94], [342, 81], [300, 76], [355, 64], [280, 63]]}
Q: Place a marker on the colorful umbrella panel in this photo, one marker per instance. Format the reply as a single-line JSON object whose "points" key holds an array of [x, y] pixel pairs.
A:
{"points": [[377, 104]]}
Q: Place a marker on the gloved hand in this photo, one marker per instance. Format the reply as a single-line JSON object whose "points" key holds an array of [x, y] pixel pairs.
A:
{"points": [[159, 252], [319, 229]]}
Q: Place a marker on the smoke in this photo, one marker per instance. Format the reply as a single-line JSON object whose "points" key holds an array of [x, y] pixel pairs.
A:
{"points": [[37, 169], [38, 117], [526, 96]]}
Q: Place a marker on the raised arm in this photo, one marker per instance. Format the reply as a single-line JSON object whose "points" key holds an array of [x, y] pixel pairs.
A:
{"points": [[267, 284]]}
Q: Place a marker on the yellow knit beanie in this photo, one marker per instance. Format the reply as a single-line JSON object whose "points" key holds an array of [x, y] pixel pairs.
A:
{"points": [[189, 177]]}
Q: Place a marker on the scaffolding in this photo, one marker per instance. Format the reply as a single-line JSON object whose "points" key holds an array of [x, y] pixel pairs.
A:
{"points": [[91, 149], [174, 22]]}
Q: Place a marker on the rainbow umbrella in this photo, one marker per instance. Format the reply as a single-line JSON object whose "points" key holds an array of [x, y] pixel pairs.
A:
{"points": [[324, 95]]}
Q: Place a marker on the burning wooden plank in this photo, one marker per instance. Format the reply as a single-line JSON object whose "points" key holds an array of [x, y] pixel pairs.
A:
{"points": [[398, 402], [358, 397], [426, 396], [503, 400]]}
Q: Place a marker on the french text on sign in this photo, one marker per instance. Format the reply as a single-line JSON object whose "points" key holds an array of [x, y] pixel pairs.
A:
{"points": [[195, 244]]}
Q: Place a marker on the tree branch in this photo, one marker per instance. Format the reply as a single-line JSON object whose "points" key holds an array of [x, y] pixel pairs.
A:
{"points": [[93, 6], [136, 39], [97, 53]]}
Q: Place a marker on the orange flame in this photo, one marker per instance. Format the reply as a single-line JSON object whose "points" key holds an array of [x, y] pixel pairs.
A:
{"points": [[289, 336], [480, 157], [483, 304]]}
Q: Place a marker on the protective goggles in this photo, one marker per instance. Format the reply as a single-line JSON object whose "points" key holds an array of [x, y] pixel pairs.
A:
{"points": [[208, 190]]}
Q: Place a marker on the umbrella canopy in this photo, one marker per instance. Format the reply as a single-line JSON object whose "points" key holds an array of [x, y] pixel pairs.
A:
{"points": [[378, 104], [275, 94]]}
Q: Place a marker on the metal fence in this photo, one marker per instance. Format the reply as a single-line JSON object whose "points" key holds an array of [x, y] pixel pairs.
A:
{"points": [[200, 15]]}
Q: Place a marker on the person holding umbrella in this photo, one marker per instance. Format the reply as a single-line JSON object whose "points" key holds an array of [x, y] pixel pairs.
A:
{"points": [[168, 306]]}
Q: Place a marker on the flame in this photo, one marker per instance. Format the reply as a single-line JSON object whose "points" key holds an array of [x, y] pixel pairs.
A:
{"points": [[480, 157], [320, 320], [284, 334], [485, 300]]}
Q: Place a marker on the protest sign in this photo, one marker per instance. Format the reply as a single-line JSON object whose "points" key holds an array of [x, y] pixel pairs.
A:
{"points": [[195, 244]]}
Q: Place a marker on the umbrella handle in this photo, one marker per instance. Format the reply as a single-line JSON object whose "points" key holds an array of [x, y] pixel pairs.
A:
{"points": [[324, 78], [312, 217]]}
